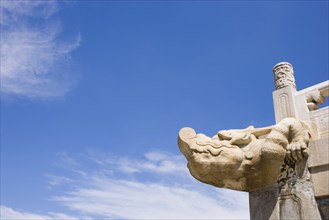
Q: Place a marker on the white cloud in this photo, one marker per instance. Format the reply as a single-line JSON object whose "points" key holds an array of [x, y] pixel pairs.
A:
{"points": [[137, 200], [35, 57], [156, 187], [54, 180], [97, 186], [155, 162], [7, 213]]}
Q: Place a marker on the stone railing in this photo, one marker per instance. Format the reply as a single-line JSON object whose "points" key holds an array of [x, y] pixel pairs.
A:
{"points": [[314, 97], [307, 105], [303, 104]]}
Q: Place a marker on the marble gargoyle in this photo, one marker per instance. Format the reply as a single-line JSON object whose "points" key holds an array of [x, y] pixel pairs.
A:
{"points": [[245, 159]]}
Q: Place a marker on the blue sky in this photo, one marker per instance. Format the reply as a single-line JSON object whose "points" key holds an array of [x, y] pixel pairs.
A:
{"points": [[93, 94]]}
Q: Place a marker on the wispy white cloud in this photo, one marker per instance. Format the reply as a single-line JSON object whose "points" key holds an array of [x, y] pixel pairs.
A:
{"points": [[11, 214], [35, 57], [55, 180], [155, 162], [112, 198], [97, 186], [149, 189]]}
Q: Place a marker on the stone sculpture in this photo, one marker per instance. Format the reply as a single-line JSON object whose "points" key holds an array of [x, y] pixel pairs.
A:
{"points": [[245, 159], [284, 167]]}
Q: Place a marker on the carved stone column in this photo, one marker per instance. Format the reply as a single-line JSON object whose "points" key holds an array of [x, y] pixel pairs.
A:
{"points": [[283, 96], [293, 197]]}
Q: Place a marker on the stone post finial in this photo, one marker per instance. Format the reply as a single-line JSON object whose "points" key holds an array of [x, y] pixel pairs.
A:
{"points": [[283, 75]]}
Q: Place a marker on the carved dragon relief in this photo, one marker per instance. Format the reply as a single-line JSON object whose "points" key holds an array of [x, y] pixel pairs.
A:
{"points": [[247, 159]]}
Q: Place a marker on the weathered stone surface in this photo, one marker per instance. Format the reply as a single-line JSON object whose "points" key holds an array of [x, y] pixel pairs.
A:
{"points": [[293, 200], [319, 152], [323, 204], [318, 164], [320, 178], [262, 203], [244, 159]]}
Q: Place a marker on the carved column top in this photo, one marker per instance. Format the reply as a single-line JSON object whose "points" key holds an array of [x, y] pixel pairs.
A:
{"points": [[283, 75]]}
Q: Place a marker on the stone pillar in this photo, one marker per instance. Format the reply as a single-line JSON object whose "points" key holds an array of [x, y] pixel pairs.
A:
{"points": [[293, 196], [283, 96]]}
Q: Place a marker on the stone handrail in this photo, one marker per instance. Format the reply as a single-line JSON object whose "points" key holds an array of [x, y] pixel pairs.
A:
{"points": [[308, 107], [315, 95], [306, 104]]}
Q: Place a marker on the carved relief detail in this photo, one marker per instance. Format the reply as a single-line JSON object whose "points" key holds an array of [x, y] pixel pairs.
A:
{"points": [[283, 75]]}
